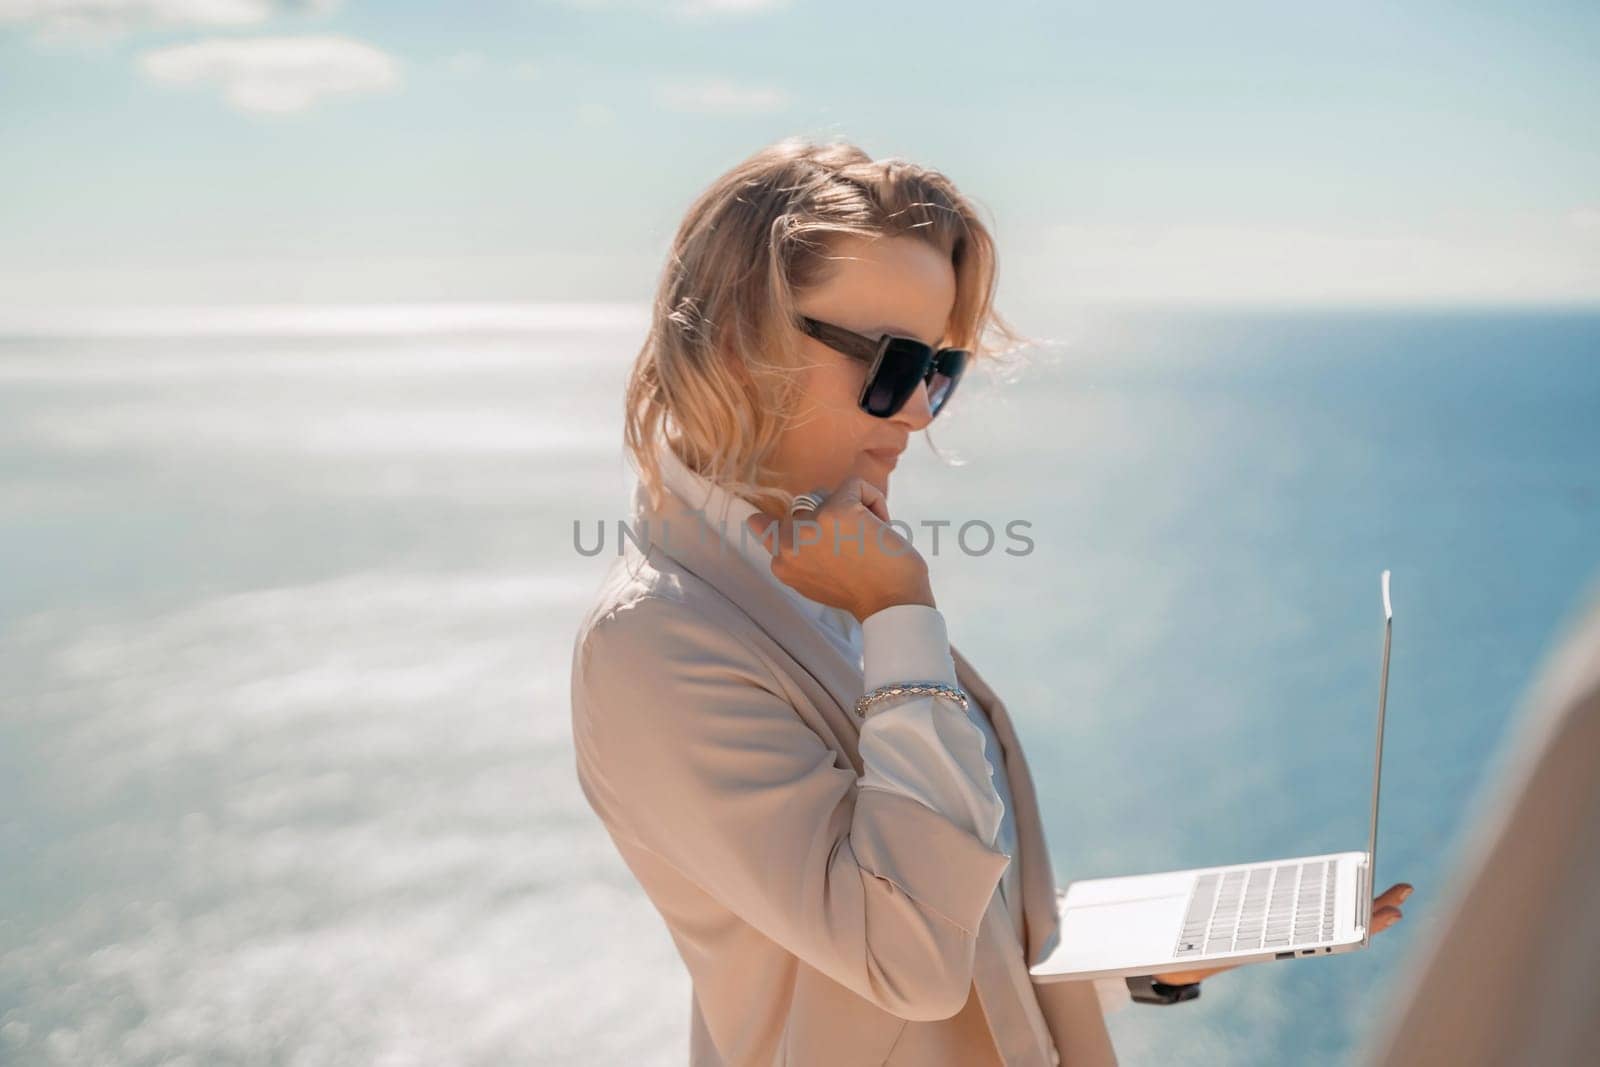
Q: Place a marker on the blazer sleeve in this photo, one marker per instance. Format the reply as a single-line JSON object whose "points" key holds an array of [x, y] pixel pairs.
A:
{"points": [[1113, 993], [683, 734]]}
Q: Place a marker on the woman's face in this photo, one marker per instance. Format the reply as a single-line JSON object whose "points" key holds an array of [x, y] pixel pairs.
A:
{"points": [[899, 285]]}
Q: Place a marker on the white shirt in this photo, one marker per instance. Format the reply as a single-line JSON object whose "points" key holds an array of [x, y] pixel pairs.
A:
{"points": [[921, 747]]}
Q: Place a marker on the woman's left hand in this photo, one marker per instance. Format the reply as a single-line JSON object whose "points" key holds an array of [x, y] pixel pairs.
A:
{"points": [[1385, 913]]}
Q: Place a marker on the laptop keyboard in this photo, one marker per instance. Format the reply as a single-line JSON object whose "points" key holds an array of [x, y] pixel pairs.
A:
{"points": [[1267, 907]]}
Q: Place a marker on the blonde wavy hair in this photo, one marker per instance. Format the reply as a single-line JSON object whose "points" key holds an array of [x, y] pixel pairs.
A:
{"points": [[717, 376]]}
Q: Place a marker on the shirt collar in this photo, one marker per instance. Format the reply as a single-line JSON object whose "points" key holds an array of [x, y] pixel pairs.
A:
{"points": [[727, 512]]}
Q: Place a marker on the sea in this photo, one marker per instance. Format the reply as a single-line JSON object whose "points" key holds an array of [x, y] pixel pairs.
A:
{"points": [[288, 597]]}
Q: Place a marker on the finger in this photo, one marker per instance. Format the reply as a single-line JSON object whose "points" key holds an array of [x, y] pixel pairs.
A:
{"points": [[1180, 977], [1395, 894], [795, 532], [1186, 977], [875, 501], [846, 496], [853, 496], [1383, 918], [846, 493]]}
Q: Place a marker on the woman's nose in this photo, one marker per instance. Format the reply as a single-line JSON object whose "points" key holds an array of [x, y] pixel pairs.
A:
{"points": [[917, 411]]}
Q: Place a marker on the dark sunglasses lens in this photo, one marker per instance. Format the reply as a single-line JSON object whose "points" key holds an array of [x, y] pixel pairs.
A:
{"points": [[942, 380], [902, 367]]}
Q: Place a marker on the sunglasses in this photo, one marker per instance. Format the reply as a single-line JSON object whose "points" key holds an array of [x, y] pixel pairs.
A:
{"points": [[894, 367]]}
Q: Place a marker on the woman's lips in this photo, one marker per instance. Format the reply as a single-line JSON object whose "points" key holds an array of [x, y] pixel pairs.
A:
{"points": [[888, 456]]}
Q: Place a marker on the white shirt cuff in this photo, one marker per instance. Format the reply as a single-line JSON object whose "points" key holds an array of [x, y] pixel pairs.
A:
{"points": [[920, 746], [905, 643]]}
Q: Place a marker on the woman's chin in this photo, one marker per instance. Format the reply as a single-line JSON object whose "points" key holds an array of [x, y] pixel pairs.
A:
{"points": [[878, 471]]}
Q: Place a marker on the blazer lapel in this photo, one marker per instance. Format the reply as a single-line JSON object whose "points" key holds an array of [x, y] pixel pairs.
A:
{"points": [[1004, 985], [1040, 918]]}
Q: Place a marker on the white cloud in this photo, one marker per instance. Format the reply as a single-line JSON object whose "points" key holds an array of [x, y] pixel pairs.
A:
{"points": [[1585, 218], [275, 75], [101, 18], [720, 97]]}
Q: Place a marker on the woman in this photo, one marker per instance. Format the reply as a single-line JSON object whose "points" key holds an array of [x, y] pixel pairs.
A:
{"points": [[852, 873]]}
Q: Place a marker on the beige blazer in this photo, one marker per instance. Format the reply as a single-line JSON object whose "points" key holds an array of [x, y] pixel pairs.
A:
{"points": [[820, 923]]}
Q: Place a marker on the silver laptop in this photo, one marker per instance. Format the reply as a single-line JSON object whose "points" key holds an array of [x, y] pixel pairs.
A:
{"points": [[1241, 913]]}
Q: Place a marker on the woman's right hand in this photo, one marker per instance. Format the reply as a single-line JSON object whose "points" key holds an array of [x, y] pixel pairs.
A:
{"points": [[846, 555]]}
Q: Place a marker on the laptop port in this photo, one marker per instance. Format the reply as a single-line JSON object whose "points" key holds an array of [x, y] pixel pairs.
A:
{"points": [[1285, 956]]}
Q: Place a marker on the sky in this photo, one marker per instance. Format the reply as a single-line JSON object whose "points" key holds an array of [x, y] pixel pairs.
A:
{"points": [[255, 151]]}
